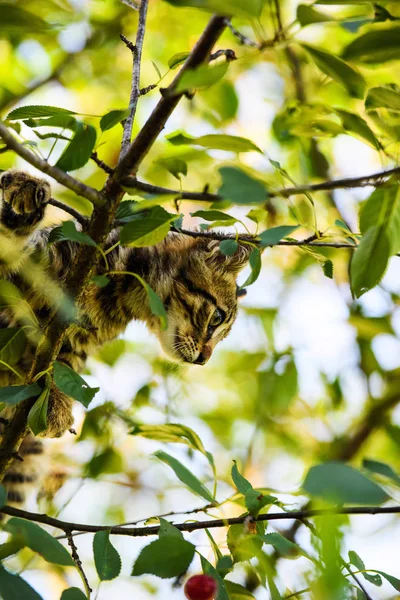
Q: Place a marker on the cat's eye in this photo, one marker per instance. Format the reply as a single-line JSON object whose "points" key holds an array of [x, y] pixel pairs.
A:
{"points": [[40, 195], [216, 319]]}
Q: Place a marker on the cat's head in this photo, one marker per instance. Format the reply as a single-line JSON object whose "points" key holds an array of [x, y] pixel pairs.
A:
{"points": [[202, 301]]}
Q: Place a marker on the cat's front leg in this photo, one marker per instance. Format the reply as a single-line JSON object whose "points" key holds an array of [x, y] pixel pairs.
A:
{"points": [[23, 202], [24, 199]]}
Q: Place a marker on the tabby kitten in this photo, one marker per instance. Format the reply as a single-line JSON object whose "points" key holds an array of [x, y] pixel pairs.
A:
{"points": [[196, 283]]}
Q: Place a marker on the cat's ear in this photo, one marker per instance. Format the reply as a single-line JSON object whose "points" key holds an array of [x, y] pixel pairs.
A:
{"points": [[234, 263]]}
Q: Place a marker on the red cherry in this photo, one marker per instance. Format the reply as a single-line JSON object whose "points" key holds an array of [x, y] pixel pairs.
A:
{"points": [[201, 587]]}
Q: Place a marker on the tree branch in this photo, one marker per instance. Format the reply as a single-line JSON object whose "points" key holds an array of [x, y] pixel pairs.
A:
{"points": [[130, 161], [196, 525], [135, 90], [94, 196], [71, 211]]}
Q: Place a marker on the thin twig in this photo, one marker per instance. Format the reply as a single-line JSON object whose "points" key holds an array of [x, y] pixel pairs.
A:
{"points": [[229, 55], [358, 582], [213, 235], [101, 163], [244, 40], [132, 182], [71, 211], [91, 194], [145, 139], [135, 90], [196, 525], [78, 563], [131, 4], [376, 179]]}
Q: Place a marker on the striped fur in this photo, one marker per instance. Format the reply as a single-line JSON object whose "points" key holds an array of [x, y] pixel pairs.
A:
{"points": [[196, 283]]}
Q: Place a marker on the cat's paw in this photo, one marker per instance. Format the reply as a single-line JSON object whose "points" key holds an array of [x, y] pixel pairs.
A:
{"points": [[24, 193]]}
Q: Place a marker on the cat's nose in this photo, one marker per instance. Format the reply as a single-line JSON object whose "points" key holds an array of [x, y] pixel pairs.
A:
{"points": [[203, 356], [200, 360]]}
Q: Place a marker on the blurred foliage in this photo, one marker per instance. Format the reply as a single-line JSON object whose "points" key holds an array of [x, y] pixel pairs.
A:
{"points": [[310, 377]]}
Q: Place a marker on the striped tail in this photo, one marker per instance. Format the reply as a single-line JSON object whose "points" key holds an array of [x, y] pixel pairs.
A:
{"points": [[26, 474]]}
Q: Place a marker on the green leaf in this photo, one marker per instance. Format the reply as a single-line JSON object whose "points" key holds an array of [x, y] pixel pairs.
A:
{"points": [[255, 501], [12, 345], [307, 15], [34, 111], [339, 70], [237, 592], [170, 433], [177, 59], [201, 77], [355, 124], [230, 143], [375, 46], [214, 215], [3, 496], [255, 265], [79, 150], [339, 483], [392, 580], [243, 544], [73, 594], [156, 306], [14, 394], [108, 461], [157, 70], [228, 247], [327, 268], [382, 209], [100, 280], [270, 237], [73, 385], [240, 188], [241, 483], [15, 21], [359, 564], [68, 231], [242, 8], [112, 118], [126, 211], [13, 587], [175, 166], [369, 261], [63, 120], [284, 546], [149, 229], [167, 557], [37, 417], [167, 529], [355, 560], [38, 540], [185, 476], [208, 569], [106, 558], [384, 96], [381, 468]]}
